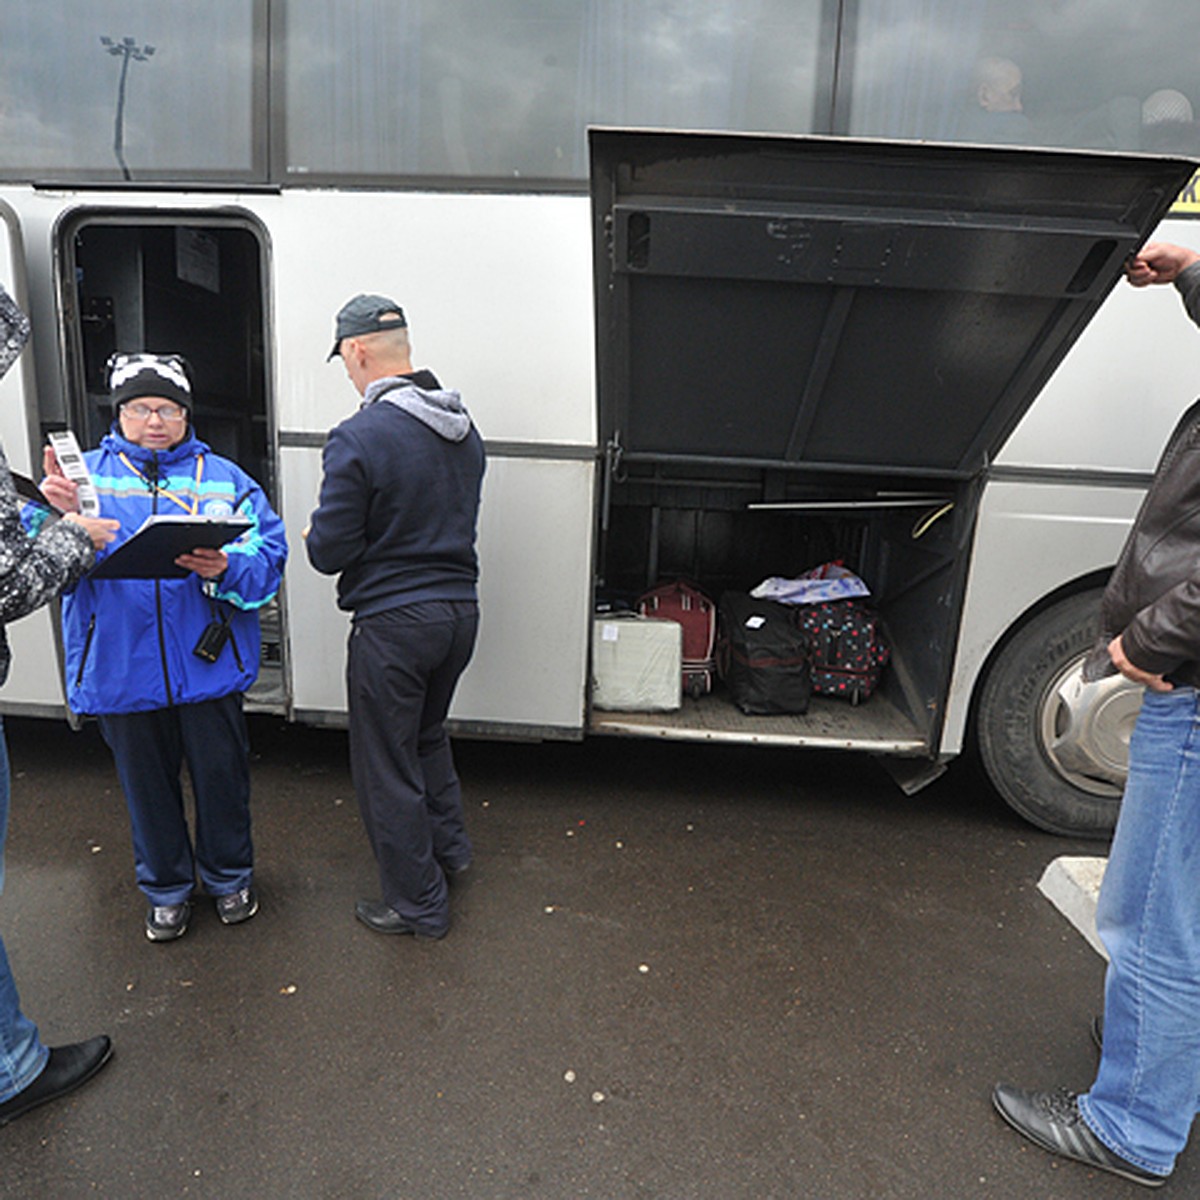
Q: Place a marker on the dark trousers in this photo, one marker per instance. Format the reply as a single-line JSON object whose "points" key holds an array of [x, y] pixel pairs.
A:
{"points": [[149, 749], [402, 668]]}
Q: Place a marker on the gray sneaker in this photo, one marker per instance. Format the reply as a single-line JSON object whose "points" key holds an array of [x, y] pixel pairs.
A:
{"points": [[166, 922], [237, 906]]}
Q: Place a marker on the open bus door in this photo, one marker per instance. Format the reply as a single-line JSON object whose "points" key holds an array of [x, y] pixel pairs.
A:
{"points": [[32, 687], [190, 282]]}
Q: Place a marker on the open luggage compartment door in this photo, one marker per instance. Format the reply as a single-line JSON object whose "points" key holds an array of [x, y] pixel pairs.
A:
{"points": [[842, 304], [797, 330]]}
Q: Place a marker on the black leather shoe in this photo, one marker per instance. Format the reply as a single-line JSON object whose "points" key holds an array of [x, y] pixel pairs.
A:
{"points": [[65, 1069], [382, 918], [456, 872], [1053, 1121]]}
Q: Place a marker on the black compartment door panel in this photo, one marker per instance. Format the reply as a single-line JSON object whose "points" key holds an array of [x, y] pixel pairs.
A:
{"points": [[847, 305]]}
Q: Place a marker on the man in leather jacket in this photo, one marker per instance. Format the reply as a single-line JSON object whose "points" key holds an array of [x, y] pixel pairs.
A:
{"points": [[1135, 1119]]}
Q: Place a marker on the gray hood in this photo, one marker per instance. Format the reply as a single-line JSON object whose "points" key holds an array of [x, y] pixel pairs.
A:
{"points": [[439, 408]]}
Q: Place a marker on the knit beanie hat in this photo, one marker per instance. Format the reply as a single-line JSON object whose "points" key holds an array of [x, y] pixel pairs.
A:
{"points": [[133, 375]]}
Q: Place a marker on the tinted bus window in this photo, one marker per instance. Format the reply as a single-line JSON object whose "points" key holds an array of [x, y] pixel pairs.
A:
{"points": [[127, 88], [456, 91], [1096, 74], [506, 90]]}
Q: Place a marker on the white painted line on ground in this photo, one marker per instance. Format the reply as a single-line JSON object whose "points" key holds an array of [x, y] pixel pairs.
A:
{"points": [[1072, 885]]}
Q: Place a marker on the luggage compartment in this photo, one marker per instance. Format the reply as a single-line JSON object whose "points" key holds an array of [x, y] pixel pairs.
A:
{"points": [[810, 349], [729, 528]]}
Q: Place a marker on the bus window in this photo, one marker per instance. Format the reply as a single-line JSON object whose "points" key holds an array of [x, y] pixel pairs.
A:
{"points": [[127, 90], [500, 94], [1087, 75], [505, 90]]}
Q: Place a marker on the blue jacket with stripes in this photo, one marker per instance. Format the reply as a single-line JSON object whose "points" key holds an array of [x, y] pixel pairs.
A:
{"points": [[129, 642]]}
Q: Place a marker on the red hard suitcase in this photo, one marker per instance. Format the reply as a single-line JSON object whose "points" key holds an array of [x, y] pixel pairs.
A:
{"points": [[692, 609]]}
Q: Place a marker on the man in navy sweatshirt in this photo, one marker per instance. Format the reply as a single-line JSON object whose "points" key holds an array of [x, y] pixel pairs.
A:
{"points": [[396, 523]]}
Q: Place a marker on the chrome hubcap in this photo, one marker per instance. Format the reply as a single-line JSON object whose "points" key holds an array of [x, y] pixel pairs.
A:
{"points": [[1085, 729]]}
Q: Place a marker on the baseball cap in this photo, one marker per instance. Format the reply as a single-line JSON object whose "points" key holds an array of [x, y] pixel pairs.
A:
{"points": [[366, 313]]}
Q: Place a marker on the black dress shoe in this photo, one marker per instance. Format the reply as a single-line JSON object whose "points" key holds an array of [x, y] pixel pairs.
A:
{"points": [[65, 1069], [1052, 1120], [384, 919]]}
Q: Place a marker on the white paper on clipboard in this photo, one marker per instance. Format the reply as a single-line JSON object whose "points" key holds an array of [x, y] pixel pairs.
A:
{"points": [[66, 450]]}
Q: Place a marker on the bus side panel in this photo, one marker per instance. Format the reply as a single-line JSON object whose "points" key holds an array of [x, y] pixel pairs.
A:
{"points": [[1030, 539], [1110, 406], [535, 576], [317, 629], [33, 684], [535, 546], [1115, 398], [497, 291]]}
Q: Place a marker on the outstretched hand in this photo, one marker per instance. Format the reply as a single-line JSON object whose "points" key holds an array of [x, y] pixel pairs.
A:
{"points": [[1159, 262], [101, 530], [56, 487]]}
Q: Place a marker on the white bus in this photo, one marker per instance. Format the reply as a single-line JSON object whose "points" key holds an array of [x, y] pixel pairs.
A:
{"points": [[721, 355]]}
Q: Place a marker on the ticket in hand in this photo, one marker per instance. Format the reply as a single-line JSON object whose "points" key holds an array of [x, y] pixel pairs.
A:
{"points": [[66, 450]]}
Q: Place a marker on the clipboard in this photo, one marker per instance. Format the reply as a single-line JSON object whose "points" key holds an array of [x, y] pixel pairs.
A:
{"points": [[151, 552]]}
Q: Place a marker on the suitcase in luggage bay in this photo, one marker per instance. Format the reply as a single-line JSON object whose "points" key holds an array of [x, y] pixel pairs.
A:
{"points": [[692, 609], [763, 656], [848, 648], [636, 664]]}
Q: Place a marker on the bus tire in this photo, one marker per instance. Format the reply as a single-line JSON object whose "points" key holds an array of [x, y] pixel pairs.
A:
{"points": [[1055, 758]]}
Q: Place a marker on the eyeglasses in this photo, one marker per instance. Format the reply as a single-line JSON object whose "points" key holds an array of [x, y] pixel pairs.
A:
{"points": [[170, 413]]}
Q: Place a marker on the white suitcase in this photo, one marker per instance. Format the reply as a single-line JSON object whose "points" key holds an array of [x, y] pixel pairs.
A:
{"points": [[637, 664]]}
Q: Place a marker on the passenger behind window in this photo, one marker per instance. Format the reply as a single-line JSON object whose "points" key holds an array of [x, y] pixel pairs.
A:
{"points": [[1169, 125], [1114, 124], [995, 112]]}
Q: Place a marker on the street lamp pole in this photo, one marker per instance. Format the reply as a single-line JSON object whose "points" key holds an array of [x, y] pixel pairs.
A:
{"points": [[126, 49]]}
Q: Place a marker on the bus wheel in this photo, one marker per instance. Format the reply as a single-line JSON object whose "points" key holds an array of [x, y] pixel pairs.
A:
{"points": [[1055, 748]]}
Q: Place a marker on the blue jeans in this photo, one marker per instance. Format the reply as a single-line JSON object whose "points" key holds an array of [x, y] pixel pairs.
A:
{"points": [[1144, 1098], [22, 1055]]}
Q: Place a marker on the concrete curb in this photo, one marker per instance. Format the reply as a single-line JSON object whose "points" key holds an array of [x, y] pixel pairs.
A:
{"points": [[1072, 885]]}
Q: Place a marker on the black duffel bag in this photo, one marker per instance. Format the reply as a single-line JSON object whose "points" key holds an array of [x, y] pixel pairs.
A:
{"points": [[763, 656]]}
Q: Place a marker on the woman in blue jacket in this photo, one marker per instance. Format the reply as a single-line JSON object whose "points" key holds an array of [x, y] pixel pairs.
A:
{"points": [[131, 644]]}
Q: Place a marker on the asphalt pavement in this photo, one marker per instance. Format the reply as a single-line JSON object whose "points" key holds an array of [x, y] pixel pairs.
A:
{"points": [[675, 973]]}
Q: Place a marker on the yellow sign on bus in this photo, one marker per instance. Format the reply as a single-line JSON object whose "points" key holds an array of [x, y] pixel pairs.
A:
{"points": [[1188, 200]]}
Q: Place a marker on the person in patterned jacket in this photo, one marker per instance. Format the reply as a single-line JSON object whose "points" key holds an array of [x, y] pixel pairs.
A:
{"points": [[33, 570]]}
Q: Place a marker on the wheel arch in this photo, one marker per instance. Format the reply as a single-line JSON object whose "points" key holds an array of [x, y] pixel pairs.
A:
{"points": [[1084, 583], [1054, 749]]}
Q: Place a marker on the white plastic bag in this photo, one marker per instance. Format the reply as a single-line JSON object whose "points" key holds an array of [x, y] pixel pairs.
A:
{"points": [[829, 581]]}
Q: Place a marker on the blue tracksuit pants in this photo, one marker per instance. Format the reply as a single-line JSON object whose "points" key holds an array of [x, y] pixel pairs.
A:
{"points": [[150, 749]]}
